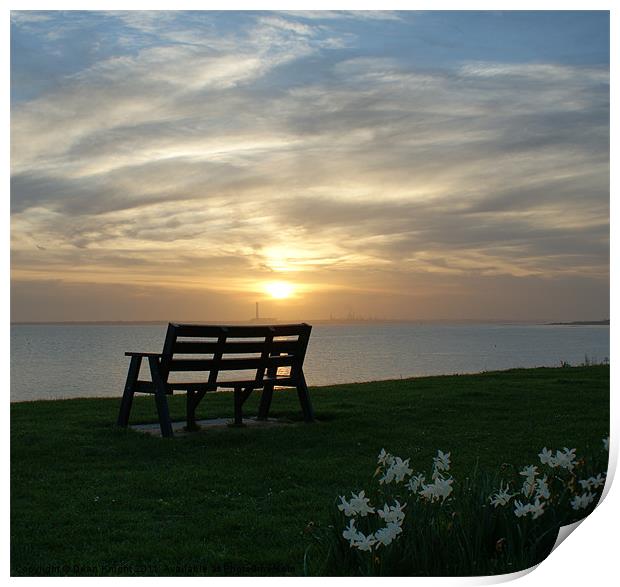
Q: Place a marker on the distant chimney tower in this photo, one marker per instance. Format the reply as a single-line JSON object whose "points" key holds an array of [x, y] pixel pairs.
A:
{"points": [[257, 310]]}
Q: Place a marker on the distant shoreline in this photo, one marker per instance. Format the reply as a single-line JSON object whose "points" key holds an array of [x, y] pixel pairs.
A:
{"points": [[315, 322], [581, 323]]}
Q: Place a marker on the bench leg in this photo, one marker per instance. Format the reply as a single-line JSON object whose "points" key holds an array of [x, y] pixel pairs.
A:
{"points": [[160, 399], [238, 409], [191, 410], [193, 399], [304, 399], [265, 401], [132, 377], [246, 394]]}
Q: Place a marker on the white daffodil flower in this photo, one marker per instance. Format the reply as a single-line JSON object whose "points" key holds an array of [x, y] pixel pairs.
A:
{"points": [[592, 482], [546, 457], [521, 509], [537, 509], [365, 543], [529, 472], [361, 504], [384, 458], [442, 461], [444, 487], [397, 471], [388, 477], [345, 507], [415, 482], [528, 488], [542, 488], [401, 469], [502, 497], [351, 533], [384, 512], [397, 510], [439, 489], [566, 459], [499, 499], [428, 491], [530, 480], [581, 502], [393, 514], [384, 536], [598, 481], [387, 535]]}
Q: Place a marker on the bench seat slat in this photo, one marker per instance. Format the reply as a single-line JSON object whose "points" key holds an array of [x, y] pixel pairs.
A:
{"points": [[248, 382], [148, 387], [226, 364], [235, 347]]}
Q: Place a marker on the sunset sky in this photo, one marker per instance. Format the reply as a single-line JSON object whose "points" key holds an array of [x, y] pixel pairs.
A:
{"points": [[420, 165]]}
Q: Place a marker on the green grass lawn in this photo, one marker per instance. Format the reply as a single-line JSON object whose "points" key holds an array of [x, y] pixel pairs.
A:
{"points": [[87, 498]]}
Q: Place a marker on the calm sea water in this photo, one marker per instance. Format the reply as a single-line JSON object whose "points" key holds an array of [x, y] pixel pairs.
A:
{"points": [[67, 361]]}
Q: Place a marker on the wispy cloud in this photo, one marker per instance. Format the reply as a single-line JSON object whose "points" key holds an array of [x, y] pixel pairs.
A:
{"points": [[281, 145], [345, 14]]}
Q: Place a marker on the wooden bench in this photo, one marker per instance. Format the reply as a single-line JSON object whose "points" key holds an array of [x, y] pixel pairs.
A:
{"points": [[210, 351]]}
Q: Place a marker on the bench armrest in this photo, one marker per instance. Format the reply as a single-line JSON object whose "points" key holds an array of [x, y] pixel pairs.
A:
{"points": [[143, 354]]}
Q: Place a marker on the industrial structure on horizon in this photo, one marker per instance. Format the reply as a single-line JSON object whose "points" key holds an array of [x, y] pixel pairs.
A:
{"points": [[259, 320]]}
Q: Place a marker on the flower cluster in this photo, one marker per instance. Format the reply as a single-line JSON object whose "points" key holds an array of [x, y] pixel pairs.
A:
{"points": [[564, 459], [534, 487], [358, 505], [536, 509], [384, 524], [392, 516], [593, 482], [441, 487], [415, 482], [395, 470], [503, 496], [586, 498], [357, 539], [536, 495], [529, 484], [581, 502]]}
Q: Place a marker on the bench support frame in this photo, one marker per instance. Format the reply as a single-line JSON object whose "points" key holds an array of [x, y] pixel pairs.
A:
{"points": [[160, 398], [132, 378]]}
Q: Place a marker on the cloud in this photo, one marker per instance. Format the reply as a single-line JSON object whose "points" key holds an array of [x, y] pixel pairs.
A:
{"points": [[159, 84], [260, 148], [380, 15], [23, 19]]}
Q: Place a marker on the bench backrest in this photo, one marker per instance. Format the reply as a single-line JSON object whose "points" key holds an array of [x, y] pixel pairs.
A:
{"points": [[216, 349]]}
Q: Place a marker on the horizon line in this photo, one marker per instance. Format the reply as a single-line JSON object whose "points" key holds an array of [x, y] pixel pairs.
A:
{"points": [[601, 322]]}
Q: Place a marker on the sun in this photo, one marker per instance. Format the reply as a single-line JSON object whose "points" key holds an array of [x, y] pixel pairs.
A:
{"points": [[279, 289]]}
